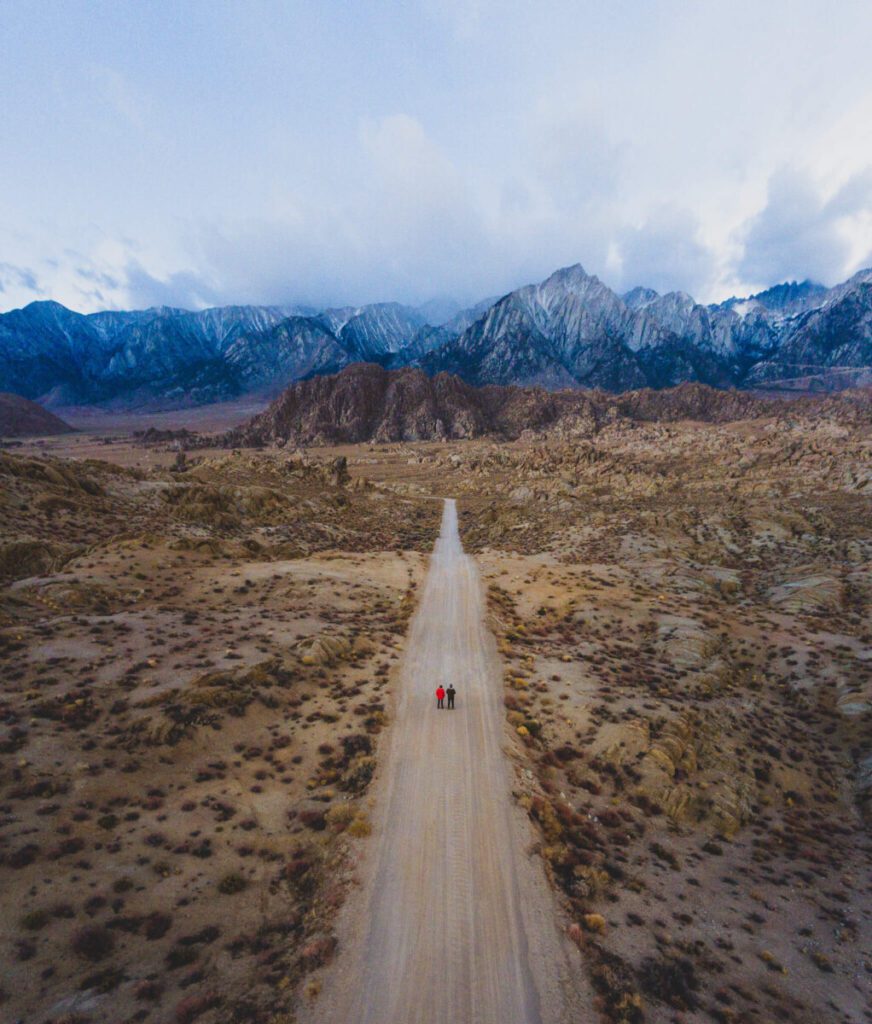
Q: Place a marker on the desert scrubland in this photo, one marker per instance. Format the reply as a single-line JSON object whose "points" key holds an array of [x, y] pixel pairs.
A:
{"points": [[200, 663]]}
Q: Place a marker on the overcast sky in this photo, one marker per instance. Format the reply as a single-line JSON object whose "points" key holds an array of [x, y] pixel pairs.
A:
{"points": [[203, 153]]}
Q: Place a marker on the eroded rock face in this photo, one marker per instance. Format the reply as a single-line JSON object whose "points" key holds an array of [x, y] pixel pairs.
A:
{"points": [[324, 649], [816, 592], [21, 558], [366, 402], [681, 770], [369, 403]]}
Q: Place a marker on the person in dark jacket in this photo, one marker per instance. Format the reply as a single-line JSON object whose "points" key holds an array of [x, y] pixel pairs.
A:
{"points": [[450, 691], [440, 697]]}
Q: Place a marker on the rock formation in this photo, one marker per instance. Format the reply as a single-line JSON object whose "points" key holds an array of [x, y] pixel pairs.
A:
{"points": [[366, 402]]}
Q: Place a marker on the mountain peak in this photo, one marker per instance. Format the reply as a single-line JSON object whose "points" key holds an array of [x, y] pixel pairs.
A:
{"points": [[568, 276], [639, 297], [791, 296], [46, 306]]}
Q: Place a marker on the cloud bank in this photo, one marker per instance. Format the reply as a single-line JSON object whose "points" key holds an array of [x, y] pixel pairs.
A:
{"points": [[303, 153]]}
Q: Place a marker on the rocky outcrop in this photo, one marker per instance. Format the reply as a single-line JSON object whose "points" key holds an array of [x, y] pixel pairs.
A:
{"points": [[365, 402]]}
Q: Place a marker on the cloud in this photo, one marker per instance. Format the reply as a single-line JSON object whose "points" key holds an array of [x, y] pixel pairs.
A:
{"points": [[19, 279], [445, 147], [114, 90], [800, 233], [405, 158], [410, 227], [183, 289], [664, 253]]}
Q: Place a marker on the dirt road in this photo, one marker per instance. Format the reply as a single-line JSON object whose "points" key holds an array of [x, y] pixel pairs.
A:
{"points": [[454, 923]]}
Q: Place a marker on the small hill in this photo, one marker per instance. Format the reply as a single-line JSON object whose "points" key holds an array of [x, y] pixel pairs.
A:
{"points": [[19, 417]]}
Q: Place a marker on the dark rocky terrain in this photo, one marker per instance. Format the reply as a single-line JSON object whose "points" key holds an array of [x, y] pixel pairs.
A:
{"points": [[19, 417], [365, 402]]}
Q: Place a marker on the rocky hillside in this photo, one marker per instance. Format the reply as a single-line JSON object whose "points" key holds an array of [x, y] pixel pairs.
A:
{"points": [[19, 417], [366, 402]]}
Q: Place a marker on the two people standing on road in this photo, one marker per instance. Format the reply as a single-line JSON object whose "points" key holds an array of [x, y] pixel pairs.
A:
{"points": [[441, 695]]}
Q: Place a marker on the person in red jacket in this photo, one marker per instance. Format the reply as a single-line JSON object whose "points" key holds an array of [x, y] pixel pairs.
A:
{"points": [[440, 697]]}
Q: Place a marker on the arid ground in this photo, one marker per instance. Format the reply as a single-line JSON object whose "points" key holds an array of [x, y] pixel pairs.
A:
{"points": [[208, 667]]}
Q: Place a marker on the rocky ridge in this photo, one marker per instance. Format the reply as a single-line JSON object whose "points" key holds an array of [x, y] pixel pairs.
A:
{"points": [[366, 402], [571, 330]]}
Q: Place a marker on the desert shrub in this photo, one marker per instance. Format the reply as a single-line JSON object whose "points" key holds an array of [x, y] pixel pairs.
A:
{"points": [[232, 883], [318, 952], [23, 856], [360, 827], [24, 950], [822, 962], [93, 942], [149, 990], [315, 820], [359, 776], [672, 981], [340, 816], [157, 925], [67, 847], [660, 851], [614, 984], [204, 936], [103, 981], [543, 812], [358, 743], [34, 920], [181, 956], [194, 1006]]}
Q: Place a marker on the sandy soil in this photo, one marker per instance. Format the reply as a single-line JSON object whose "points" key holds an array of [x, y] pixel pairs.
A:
{"points": [[204, 418], [454, 922], [188, 726]]}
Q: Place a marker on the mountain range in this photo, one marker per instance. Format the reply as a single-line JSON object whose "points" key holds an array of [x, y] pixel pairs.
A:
{"points": [[571, 331]]}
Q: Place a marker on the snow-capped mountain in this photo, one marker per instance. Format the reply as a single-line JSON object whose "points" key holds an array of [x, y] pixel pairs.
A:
{"points": [[569, 331], [373, 332], [63, 357], [572, 330]]}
